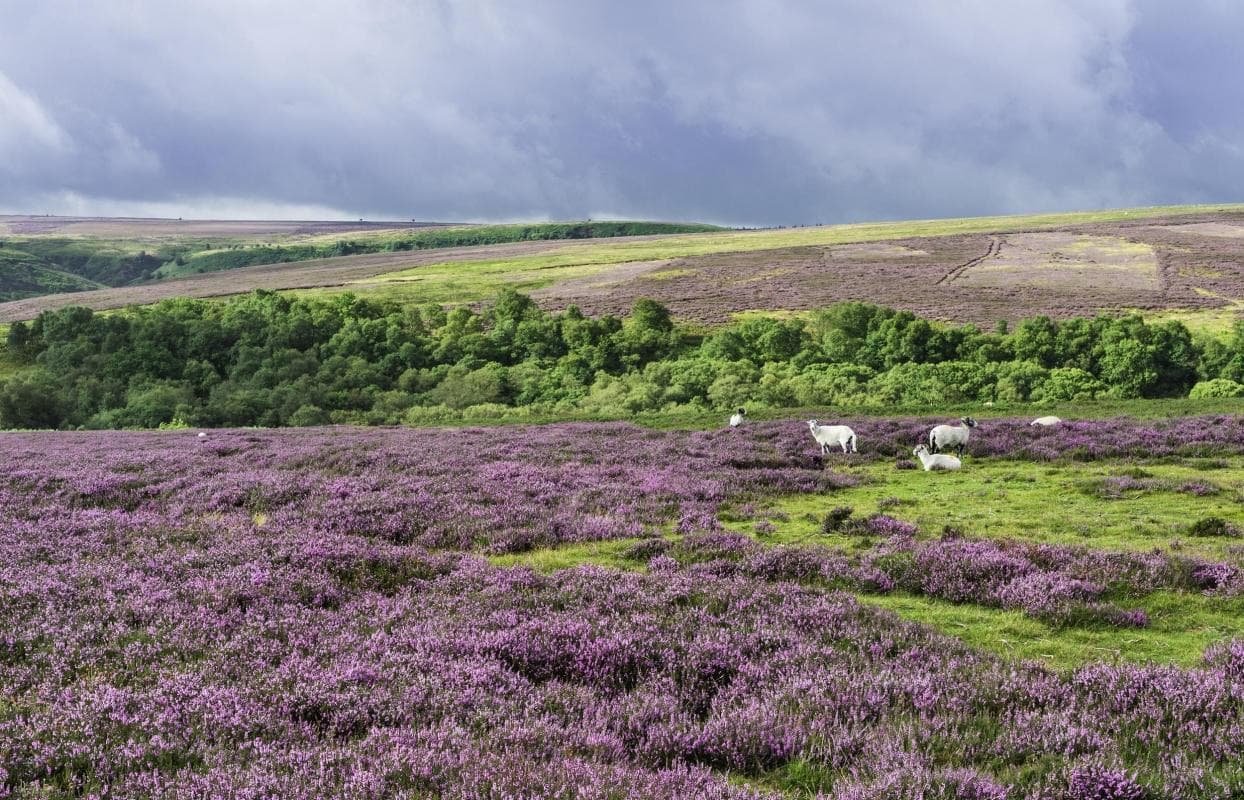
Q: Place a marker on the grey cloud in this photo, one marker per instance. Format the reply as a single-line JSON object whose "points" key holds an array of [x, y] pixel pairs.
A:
{"points": [[736, 111]]}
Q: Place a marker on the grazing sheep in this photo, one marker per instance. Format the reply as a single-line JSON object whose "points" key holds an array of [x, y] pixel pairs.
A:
{"points": [[944, 437], [826, 435], [736, 419], [1045, 421], [938, 461]]}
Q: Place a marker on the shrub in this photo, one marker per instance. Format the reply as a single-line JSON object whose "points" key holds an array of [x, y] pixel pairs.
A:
{"points": [[1218, 387]]}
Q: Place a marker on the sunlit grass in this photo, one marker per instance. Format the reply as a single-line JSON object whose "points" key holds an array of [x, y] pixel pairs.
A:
{"points": [[1046, 503], [1181, 626], [551, 559]]}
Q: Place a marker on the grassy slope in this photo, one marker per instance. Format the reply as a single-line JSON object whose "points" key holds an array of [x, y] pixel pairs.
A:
{"points": [[26, 275], [476, 280]]}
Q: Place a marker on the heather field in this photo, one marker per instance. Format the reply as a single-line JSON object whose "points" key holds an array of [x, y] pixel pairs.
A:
{"points": [[600, 610]]}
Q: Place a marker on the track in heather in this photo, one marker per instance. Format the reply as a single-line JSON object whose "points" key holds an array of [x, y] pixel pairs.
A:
{"points": [[995, 247]]}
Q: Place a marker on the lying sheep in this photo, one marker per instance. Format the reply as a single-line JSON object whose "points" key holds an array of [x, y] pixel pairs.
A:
{"points": [[827, 435], [932, 462], [946, 437], [1045, 421]]}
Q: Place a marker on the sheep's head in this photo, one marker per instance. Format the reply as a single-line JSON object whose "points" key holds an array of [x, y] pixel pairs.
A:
{"points": [[812, 424], [742, 412], [971, 423], [920, 450]]}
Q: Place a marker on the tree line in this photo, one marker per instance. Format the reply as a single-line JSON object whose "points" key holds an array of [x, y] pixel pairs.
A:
{"points": [[271, 359]]}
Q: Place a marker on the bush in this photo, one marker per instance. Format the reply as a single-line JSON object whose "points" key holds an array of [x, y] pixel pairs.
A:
{"points": [[1212, 526], [1218, 387]]}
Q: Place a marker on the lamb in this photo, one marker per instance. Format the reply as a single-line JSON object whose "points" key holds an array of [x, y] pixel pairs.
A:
{"points": [[1045, 421], [944, 437], [827, 435], [736, 419], [938, 461]]}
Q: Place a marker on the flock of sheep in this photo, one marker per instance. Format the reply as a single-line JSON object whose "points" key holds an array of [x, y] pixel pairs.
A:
{"points": [[942, 437]]}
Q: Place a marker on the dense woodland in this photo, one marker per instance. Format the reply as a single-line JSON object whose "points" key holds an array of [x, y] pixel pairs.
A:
{"points": [[270, 359]]}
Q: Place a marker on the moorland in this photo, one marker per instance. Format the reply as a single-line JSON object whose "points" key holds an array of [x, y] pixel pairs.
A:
{"points": [[466, 519]]}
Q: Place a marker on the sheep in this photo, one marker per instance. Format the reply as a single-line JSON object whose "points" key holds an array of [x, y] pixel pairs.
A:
{"points": [[944, 437], [932, 462], [1045, 421], [826, 435], [736, 419], [202, 435]]}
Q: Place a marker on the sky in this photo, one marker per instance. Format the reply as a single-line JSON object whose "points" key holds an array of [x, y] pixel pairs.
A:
{"points": [[739, 112]]}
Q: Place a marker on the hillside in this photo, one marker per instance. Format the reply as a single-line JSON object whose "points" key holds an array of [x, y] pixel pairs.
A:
{"points": [[26, 275], [1180, 262], [127, 252]]}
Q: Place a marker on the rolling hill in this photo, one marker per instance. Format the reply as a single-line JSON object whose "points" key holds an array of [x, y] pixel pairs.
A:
{"points": [[1185, 262]]}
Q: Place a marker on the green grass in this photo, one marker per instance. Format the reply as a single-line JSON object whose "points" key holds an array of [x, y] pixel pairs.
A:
{"points": [[1053, 503], [1181, 626], [1047, 503], [551, 559]]}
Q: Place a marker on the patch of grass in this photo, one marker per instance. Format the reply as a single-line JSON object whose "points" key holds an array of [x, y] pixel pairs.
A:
{"points": [[551, 559], [1211, 322], [1033, 502], [1181, 626]]}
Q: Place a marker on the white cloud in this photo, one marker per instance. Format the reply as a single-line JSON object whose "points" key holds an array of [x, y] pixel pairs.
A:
{"points": [[26, 130]]}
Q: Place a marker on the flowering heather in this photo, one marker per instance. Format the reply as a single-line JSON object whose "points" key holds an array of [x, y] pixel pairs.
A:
{"points": [[142, 661], [505, 489], [1062, 585], [283, 614]]}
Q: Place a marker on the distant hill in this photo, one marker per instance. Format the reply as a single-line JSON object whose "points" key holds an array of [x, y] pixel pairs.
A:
{"points": [[128, 252], [1180, 262]]}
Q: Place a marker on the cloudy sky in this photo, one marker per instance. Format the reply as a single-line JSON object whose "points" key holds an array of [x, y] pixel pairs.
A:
{"points": [[748, 112]]}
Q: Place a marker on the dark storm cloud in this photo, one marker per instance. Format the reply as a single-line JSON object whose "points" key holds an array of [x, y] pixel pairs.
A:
{"points": [[726, 110]]}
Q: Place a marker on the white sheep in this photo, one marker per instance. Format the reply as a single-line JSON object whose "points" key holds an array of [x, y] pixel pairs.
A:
{"points": [[938, 461], [826, 435], [202, 435], [736, 419], [944, 437], [1045, 421]]}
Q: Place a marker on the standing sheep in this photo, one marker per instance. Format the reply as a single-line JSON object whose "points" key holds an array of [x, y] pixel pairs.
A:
{"points": [[827, 435], [736, 419], [945, 437]]}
